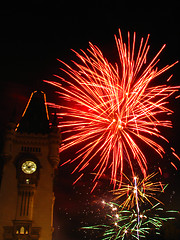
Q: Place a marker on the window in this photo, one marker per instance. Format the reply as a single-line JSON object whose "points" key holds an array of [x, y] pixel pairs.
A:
{"points": [[30, 149], [22, 230]]}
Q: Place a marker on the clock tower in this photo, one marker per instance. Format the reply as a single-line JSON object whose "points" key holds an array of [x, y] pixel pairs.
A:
{"points": [[30, 154]]}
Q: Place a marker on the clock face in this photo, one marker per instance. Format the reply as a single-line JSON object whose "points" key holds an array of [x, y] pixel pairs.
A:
{"points": [[29, 167]]}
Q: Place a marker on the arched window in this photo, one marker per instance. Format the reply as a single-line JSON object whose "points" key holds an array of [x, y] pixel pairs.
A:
{"points": [[22, 230]]}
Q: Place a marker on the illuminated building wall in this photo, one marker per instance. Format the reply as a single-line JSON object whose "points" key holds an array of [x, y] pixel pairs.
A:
{"points": [[30, 154]]}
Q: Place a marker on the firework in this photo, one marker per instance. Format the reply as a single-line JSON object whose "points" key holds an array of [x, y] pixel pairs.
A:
{"points": [[109, 107], [123, 224], [138, 191]]}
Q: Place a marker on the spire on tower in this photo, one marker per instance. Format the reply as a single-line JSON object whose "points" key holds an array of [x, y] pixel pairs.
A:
{"points": [[35, 118]]}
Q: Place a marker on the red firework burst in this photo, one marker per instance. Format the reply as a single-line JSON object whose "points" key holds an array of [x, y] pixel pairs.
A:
{"points": [[108, 107]]}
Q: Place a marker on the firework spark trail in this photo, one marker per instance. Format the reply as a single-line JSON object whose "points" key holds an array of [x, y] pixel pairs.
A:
{"points": [[109, 107], [137, 205]]}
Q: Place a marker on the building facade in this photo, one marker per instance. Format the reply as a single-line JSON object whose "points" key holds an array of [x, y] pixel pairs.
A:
{"points": [[30, 154]]}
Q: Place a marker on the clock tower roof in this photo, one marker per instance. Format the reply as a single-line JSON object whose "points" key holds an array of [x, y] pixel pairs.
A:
{"points": [[35, 118]]}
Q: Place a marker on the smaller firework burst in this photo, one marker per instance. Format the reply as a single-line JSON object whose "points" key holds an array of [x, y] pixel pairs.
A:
{"points": [[138, 191], [122, 223]]}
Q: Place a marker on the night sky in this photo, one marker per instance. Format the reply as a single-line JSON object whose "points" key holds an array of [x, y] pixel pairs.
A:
{"points": [[35, 34]]}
